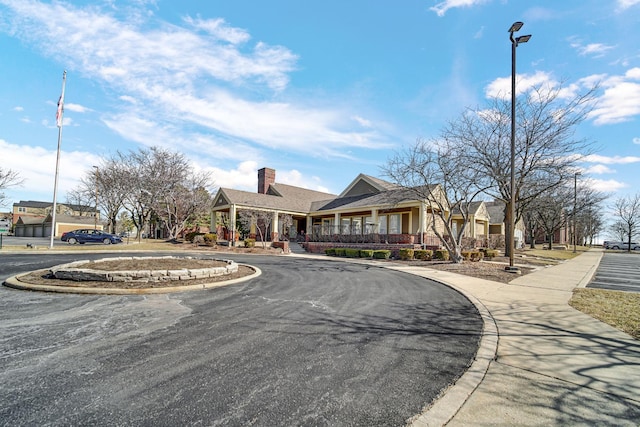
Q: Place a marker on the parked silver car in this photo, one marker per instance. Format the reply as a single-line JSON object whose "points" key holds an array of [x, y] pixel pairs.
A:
{"points": [[622, 245]]}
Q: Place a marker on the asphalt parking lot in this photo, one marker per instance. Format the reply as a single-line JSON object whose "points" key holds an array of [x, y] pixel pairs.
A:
{"points": [[618, 271]]}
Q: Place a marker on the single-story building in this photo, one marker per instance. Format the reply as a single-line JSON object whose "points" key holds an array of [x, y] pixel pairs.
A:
{"points": [[368, 210], [32, 226]]}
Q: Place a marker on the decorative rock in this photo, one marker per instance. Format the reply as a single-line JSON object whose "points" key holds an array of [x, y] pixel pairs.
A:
{"points": [[71, 272]]}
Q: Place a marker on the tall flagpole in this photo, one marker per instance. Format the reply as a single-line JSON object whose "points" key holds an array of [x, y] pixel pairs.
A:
{"points": [[59, 115]]}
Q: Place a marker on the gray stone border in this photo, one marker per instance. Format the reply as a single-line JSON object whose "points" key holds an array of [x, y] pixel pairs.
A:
{"points": [[70, 271], [16, 283]]}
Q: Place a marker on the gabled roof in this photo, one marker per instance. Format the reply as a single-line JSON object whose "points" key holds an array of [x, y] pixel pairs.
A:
{"points": [[60, 219], [27, 220], [33, 204], [73, 219], [474, 208], [365, 184], [44, 205], [496, 211], [279, 197], [387, 198]]}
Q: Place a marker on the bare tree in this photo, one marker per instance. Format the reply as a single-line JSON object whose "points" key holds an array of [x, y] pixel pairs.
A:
{"points": [[8, 178], [589, 217], [285, 221], [626, 211], [431, 171], [618, 231], [149, 174], [112, 188], [545, 143], [257, 218], [184, 202], [590, 224], [81, 200], [552, 211]]}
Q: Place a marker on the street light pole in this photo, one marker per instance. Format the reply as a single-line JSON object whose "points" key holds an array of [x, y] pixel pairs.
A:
{"points": [[512, 222], [575, 204], [95, 213]]}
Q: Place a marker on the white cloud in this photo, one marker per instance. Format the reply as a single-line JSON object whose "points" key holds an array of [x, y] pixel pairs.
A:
{"points": [[636, 140], [611, 160], [620, 100], [625, 4], [76, 108], [37, 167], [441, 8], [599, 170], [296, 178], [606, 186], [362, 121], [593, 49], [243, 177], [219, 29], [18, 108], [501, 87], [197, 80]]}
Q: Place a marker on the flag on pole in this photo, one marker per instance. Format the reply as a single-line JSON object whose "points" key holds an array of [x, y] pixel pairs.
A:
{"points": [[60, 110]]}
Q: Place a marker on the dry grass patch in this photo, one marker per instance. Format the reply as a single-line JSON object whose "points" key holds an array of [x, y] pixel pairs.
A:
{"points": [[618, 309]]}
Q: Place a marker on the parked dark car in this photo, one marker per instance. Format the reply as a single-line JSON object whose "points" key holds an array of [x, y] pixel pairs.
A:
{"points": [[89, 236]]}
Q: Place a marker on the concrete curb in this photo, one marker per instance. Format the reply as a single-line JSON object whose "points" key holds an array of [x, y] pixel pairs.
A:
{"points": [[586, 279], [451, 399], [447, 405], [14, 282]]}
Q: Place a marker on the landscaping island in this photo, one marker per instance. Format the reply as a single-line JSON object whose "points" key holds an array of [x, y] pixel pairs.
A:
{"points": [[135, 275]]}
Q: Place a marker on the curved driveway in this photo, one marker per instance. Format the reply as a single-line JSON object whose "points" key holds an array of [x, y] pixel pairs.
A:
{"points": [[309, 342]]}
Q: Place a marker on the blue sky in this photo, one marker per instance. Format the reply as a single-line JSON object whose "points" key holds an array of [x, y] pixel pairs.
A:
{"points": [[319, 91]]}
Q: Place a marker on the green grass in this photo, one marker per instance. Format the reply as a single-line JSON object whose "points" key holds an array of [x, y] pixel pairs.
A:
{"points": [[557, 254]]}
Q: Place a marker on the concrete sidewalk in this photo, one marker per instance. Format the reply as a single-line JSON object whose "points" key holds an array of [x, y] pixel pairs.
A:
{"points": [[541, 362]]}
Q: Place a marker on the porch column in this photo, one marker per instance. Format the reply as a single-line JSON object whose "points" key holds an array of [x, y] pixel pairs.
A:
{"points": [[423, 222], [213, 222], [274, 227], [374, 218], [337, 226], [309, 230], [232, 225]]}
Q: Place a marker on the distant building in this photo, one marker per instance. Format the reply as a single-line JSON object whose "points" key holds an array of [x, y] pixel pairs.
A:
{"points": [[33, 219], [35, 209]]}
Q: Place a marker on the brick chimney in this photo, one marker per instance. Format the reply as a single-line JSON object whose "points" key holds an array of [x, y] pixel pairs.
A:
{"points": [[266, 177]]}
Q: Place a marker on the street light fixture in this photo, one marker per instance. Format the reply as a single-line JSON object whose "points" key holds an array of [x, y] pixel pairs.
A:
{"points": [[512, 222]]}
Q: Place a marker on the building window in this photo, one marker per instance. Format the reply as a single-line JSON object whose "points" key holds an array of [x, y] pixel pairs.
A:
{"points": [[22, 210], [356, 225], [382, 224], [395, 224], [345, 225], [326, 226], [369, 225]]}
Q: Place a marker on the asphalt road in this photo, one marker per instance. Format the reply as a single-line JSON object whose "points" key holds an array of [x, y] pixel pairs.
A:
{"points": [[320, 343], [34, 241], [618, 271]]}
